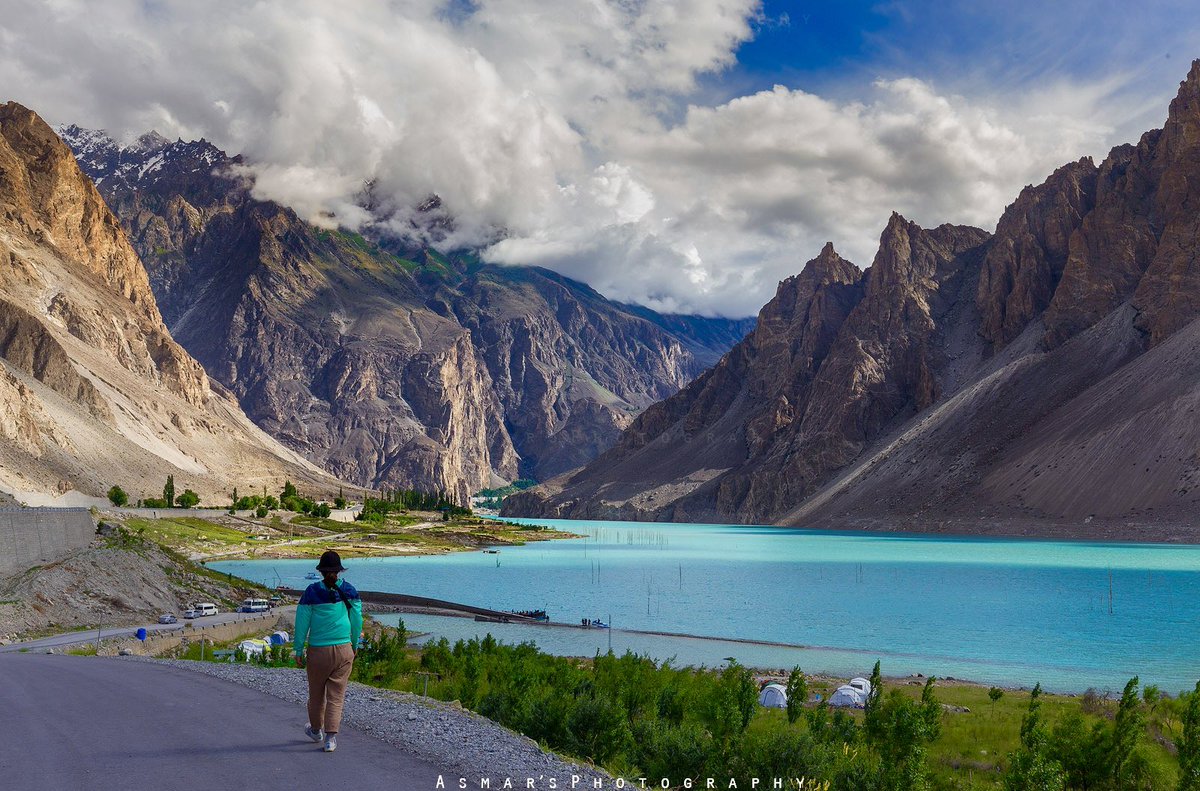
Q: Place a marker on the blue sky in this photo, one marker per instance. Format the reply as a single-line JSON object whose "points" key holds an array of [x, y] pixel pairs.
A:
{"points": [[834, 48], [641, 146]]}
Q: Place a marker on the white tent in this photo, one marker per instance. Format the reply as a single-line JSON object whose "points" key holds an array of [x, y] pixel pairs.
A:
{"points": [[773, 696], [847, 696], [862, 685]]}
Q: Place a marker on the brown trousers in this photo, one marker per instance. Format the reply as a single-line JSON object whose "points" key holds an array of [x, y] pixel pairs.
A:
{"points": [[328, 673]]}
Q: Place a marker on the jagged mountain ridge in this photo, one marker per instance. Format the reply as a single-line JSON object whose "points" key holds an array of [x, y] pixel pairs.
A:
{"points": [[1040, 380], [388, 365], [93, 388]]}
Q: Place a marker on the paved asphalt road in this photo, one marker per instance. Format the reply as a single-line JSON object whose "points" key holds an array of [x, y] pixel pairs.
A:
{"points": [[86, 722], [89, 635]]}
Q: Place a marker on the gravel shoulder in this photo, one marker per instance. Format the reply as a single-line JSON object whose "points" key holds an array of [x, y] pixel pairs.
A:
{"points": [[459, 742]]}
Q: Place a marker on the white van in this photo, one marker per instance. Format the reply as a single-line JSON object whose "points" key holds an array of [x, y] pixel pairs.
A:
{"points": [[255, 605], [205, 608]]}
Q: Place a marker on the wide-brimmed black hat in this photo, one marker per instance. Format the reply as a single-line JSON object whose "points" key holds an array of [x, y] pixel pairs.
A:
{"points": [[330, 561]]}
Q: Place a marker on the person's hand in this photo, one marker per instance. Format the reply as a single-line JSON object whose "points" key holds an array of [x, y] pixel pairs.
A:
{"points": [[300, 660]]}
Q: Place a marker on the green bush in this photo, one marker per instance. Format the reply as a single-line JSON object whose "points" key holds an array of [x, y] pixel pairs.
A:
{"points": [[117, 496], [375, 510]]}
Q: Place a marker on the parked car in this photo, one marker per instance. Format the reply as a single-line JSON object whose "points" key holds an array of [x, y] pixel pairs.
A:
{"points": [[191, 612], [167, 618]]}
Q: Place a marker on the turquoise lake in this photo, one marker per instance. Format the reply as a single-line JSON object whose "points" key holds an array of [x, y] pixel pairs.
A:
{"points": [[1013, 612]]}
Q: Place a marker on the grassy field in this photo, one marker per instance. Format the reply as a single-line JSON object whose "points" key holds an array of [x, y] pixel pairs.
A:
{"points": [[286, 535], [975, 744], [190, 534]]}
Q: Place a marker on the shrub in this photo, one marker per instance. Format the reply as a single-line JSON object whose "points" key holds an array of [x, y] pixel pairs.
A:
{"points": [[117, 496]]}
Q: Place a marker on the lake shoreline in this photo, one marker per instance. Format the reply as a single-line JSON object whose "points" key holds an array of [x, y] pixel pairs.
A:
{"points": [[1118, 531], [762, 673]]}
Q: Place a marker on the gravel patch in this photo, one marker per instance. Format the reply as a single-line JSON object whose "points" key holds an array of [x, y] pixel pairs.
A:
{"points": [[460, 742]]}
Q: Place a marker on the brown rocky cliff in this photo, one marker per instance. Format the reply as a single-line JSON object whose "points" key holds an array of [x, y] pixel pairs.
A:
{"points": [[1113, 245], [882, 367], [1168, 297], [1139, 240], [104, 394], [564, 359], [332, 351], [1028, 253], [674, 454], [43, 190], [45, 198]]}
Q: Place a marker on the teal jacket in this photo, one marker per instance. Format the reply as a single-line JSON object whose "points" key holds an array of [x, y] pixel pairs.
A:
{"points": [[328, 616]]}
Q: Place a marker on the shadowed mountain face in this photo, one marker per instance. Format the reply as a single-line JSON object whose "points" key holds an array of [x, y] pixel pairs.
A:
{"points": [[389, 366], [1038, 378], [93, 389]]}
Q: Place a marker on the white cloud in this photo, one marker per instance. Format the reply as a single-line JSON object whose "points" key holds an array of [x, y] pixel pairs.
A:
{"points": [[565, 123]]}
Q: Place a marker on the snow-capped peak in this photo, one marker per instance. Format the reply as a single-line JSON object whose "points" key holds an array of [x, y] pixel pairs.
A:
{"points": [[140, 162]]}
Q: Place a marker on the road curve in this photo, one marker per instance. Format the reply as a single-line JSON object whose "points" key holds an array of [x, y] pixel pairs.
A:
{"points": [[87, 722], [68, 639]]}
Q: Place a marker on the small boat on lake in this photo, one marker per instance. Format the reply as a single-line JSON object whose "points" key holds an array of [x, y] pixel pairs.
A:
{"points": [[536, 615], [595, 623], [312, 575]]}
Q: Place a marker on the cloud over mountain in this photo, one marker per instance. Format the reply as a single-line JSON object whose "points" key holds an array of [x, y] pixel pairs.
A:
{"points": [[570, 134]]}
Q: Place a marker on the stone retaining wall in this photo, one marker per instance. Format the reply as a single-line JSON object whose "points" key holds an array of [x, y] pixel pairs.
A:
{"points": [[36, 536]]}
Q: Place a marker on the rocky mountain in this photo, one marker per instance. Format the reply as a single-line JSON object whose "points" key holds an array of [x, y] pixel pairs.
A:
{"points": [[93, 388], [1043, 379], [388, 364]]}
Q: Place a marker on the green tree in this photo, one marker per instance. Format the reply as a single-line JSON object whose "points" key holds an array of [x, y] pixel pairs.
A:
{"points": [[340, 501], [169, 492], [1082, 750], [994, 694], [931, 711], [117, 496], [261, 512], [1188, 743], [234, 498], [797, 693], [1152, 695], [289, 490], [188, 499], [871, 708], [731, 705], [901, 731], [1128, 728], [1030, 766]]}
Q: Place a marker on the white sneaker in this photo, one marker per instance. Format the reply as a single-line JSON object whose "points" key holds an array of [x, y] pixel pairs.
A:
{"points": [[316, 735], [330, 742]]}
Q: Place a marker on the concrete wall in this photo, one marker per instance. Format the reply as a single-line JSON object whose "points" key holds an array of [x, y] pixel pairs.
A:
{"points": [[36, 536], [255, 626]]}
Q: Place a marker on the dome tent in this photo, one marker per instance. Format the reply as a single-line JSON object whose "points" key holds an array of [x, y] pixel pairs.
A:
{"points": [[862, 685], [773, 696], [847, 696]]}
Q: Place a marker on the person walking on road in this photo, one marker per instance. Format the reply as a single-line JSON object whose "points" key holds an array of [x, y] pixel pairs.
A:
{"points": [[329, 619]]}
